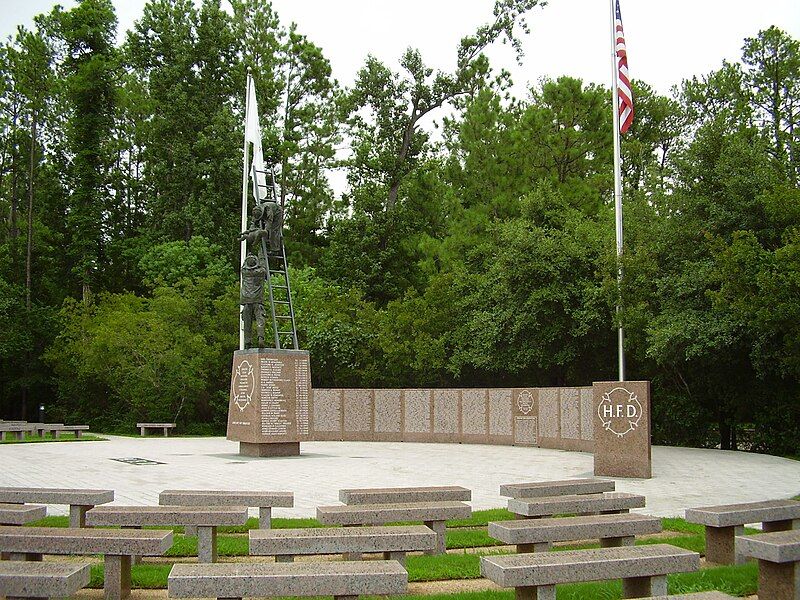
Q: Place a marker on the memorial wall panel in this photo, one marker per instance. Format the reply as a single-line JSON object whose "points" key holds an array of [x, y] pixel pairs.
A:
{"points": [[327, 414], [446, 415], [501, 426], [548, 414], [474, 415], [388, 415], [587, 422], [357, 422], [417, 415], [570, 414]]}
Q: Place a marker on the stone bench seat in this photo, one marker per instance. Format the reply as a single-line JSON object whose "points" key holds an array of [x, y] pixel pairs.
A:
{"points": [[78, 500], [778, 555], [165, 427], [42, 580], [206, 518], [538, 535], [447, 493], [432, 514], [265, 501], [393, 542], [57, 430], [564, 487], [548, 506], [725, 521], [342, 580], [21, 514], [643, 569], [116, 545]]}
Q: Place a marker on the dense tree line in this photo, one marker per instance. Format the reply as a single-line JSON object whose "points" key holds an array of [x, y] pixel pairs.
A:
{"points": [[479, 255]]}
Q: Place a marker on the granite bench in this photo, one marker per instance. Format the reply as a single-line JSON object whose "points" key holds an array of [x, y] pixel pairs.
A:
{"points": [[538, 535], [42, 580], [433, 515], [17, 430], [143, 427], [725, 521], [264, 501], [448, 493], [564, 487], [351, 542], [206, 518], [21, 514], [643, 569], [342, 580], [778, 555], [116, 545], [78, 500], [57, 430], [548, 506]]}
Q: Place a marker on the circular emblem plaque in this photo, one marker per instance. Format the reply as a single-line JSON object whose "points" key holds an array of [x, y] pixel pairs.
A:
{"points": [[244, 384], [525, 402], [620, 411]]}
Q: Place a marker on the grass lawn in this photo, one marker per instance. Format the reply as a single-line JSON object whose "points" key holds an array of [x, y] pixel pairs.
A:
{"points": [[48, 437]]}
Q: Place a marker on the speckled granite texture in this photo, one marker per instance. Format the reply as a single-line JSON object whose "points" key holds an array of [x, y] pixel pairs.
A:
{"points": [[57, 540], [444, 493], [42, 580], [389, 513], [336, 540], [589, 503], [534, 531], [727, 515], [537, 489], [226, 498], [20, 514], [167, 515], [231, 580], [777, 546], [550, 568]]}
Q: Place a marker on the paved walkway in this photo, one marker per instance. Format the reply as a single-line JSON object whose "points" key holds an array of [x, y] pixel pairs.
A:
{"points": [[683, 477]]}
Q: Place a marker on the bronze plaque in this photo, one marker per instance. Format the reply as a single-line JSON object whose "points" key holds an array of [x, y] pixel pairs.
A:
{"points": [[269, 399]]}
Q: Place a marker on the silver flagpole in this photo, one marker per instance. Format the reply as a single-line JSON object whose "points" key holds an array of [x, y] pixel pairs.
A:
{"points": [[243, 245], [617, 184]]}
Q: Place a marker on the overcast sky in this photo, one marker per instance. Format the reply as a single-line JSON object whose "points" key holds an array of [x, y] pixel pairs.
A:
{"points": [[667, 40]]}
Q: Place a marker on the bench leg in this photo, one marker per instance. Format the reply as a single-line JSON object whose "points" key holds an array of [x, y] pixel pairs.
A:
{"points": [[284, 558], [644, 587], [542, 592], [264, 517], [117, 573], [787, 525], [135, 560], [778, 581], [78, 433], [351, 555], [24, 556], [190, 530], [166, 432], [721, 544], [616, 542], [77, 515], [206, 544], [438, 528], [142, 431], [527, 548], [398, 556]]}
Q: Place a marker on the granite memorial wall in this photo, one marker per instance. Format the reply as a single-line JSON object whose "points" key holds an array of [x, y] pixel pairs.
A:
{"points": [[545, 417]]}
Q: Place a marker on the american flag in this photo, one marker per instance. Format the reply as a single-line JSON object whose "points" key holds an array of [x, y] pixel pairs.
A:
{"points": [[623, 82]]}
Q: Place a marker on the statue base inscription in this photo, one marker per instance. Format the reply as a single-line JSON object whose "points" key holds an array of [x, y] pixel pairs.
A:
{"points": [[268, 412]]}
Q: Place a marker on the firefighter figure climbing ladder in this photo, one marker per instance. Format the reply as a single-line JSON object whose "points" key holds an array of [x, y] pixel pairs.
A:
{"points": [[279, 291]]}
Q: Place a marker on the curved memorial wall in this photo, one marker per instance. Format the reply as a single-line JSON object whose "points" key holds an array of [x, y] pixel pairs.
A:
{"points": [[559, 418]]}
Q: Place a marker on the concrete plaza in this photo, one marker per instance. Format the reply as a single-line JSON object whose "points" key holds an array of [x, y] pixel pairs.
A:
{"points": [[682, 477]]}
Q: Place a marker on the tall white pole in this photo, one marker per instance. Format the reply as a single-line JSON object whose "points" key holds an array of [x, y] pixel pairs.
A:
{"points": [[243, 245], [617, 184]]}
